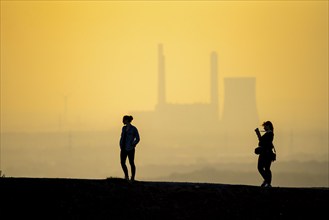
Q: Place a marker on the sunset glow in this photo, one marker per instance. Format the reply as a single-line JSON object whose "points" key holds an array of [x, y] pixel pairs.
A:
{"points": [[82, 65]]}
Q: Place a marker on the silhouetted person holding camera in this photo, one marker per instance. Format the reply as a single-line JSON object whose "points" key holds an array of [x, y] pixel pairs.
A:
{"points": [[265, 151], [128, 141]]}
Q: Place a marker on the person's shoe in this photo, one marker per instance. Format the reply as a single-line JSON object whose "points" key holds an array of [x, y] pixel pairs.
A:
{"points": [[127, 178], [267, 185], [263, 184]]}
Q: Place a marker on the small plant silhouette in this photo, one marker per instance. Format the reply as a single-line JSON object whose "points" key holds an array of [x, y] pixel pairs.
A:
{"points": [[2, 175]]}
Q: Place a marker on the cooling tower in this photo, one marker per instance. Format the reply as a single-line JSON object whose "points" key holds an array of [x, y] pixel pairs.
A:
{"points": [[240, 111]]}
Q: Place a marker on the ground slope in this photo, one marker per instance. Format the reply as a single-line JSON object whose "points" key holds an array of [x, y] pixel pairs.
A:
{"points": [[114, 198]]}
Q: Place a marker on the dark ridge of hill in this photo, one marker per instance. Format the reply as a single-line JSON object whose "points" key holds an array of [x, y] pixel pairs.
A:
{"points": [[115, 198]]}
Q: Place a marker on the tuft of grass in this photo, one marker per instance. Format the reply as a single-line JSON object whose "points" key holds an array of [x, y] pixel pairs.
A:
{"points": [[2, 175]]}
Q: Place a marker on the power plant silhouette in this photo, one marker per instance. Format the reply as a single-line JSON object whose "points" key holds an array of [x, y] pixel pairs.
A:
{"points": [[200, 122]]}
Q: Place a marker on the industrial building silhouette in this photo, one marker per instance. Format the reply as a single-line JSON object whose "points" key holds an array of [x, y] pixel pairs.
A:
{"points": [[198, 122]]}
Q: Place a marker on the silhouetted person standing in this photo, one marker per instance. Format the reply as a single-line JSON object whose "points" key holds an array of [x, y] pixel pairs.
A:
{"points": [[128, 141], [266, 152]]}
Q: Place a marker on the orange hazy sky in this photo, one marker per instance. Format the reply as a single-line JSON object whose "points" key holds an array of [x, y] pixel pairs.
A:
{"points": [[90, 62]]}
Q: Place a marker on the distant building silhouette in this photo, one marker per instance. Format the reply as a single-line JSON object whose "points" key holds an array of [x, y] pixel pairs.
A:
{"points": [[201, 120]]}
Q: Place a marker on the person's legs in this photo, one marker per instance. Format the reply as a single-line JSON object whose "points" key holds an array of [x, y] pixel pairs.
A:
{"points": [[123, 158], [260, 167], [268, 173], [131, 157]]}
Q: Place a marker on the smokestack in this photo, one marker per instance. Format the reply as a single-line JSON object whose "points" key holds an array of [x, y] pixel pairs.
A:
{"points": [[161, 76]]}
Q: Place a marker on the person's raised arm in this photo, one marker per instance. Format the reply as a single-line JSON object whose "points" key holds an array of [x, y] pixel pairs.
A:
{"points": [[258, 133]]}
